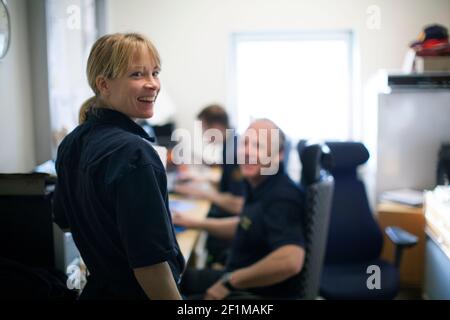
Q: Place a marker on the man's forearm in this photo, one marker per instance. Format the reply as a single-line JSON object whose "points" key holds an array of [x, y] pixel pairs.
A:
{"points": [[157, 282], [224, 228], [227, 201], [278, 266]]}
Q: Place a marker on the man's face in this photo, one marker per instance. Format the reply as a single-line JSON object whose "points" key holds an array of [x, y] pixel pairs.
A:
{"points": [[134, 93], [260, 151]]}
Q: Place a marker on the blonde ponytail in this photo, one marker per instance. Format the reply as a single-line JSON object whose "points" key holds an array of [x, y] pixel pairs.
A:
{"points": [[85, 108]]}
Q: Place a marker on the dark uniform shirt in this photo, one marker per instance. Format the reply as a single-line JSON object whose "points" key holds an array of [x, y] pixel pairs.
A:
{"points": [[272, 217], [231, 180], [112, 193]]}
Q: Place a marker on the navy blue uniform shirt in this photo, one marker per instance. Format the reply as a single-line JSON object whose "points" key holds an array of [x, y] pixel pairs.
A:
{"points": [[272, 217], [232, 180], [112, 193]]}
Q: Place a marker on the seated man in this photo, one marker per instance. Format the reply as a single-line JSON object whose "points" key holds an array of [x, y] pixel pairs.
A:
{"points": [[228, 200], [267, 251]]}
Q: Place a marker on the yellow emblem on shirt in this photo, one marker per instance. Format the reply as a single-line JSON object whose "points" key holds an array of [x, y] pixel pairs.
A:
{"points": [[245, 223]]}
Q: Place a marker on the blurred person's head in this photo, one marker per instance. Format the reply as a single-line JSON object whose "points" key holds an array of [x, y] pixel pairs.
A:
{"points": [[122, 70], [261, 151], [214, 116]]}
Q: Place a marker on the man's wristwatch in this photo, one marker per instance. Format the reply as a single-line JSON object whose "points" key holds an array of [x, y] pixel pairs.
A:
{"points": [[226, 281]]}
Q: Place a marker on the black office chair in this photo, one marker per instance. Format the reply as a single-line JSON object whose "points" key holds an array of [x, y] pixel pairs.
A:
{"points": [[355, 239], [318, 185], [443, 168]]}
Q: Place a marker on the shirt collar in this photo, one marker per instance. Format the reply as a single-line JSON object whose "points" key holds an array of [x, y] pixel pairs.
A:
{"points": [[105, 115]]}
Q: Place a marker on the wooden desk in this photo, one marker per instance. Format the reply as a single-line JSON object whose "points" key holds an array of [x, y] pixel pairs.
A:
{"points": [[188, 239], [411, 219], [193, 241]]}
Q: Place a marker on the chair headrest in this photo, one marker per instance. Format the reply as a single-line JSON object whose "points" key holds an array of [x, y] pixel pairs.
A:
{"points": [[315, 158], [348, 155]]}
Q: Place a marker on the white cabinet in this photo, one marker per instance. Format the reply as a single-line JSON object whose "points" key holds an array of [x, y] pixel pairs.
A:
{"points": [[412, 125]]}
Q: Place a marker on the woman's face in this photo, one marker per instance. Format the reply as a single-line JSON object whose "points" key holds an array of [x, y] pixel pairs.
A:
{"points": [[134, 93]]}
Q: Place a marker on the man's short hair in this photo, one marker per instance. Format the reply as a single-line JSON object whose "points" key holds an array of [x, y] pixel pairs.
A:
{"points": [[214, 114]]}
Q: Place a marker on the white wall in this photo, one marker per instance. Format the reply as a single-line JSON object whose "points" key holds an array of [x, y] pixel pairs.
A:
{"points": [[16, 105], [411, 128], [193, 37]]}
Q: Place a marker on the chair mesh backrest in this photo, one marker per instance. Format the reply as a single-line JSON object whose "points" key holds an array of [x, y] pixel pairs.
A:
{"points": [[319, 192]]}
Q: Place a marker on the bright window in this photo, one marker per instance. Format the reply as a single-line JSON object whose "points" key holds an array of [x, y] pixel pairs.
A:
{"points": [[302, 81]]}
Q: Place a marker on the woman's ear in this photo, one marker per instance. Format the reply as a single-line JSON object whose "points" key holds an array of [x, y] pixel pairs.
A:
{"points": [[102, 85]]}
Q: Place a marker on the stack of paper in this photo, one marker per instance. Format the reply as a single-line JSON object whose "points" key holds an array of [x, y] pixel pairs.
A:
{"points": [[405, 196]]}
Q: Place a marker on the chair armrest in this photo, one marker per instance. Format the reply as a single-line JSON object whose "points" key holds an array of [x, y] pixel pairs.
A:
{"points": [[401, 237], [402, 240]]}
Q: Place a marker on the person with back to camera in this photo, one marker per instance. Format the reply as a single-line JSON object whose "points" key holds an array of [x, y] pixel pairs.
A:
{"points": [[112, 190], [228, 200]]}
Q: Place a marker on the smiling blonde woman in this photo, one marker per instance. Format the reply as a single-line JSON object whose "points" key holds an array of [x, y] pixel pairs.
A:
{"points": [[112, 189]]}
